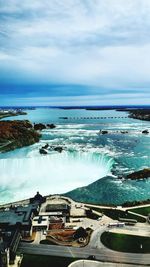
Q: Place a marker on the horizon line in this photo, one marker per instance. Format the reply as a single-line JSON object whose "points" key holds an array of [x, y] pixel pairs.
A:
{"points": [[75, 106]]}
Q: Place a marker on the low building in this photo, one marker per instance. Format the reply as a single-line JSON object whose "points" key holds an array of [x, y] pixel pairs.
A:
{"points": [[18, 218], [56, 213], [4, 254], [13, 245], [56, 223], [128, 221], [60, 210], [8, 248], [40, 223]]}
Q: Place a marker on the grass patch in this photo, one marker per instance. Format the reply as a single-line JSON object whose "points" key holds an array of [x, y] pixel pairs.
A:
{"points": [[143, 211], [126, 243], [45, 261], [115, 214]]}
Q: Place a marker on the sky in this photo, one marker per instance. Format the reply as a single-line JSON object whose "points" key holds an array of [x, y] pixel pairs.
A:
{"points": [[74, 52]]}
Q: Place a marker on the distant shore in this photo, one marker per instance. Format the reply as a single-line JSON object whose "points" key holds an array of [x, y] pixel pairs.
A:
{"points": [[134, 113], [140, 113], [5, 114], [143, 114]]}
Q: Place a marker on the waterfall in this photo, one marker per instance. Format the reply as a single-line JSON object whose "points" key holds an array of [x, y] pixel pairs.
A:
{"points": [[53, 173]]}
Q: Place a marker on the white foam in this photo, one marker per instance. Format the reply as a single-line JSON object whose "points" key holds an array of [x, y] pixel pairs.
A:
{"points": [[54, 173]]}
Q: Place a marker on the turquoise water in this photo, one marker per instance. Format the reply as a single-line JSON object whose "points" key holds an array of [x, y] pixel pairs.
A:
{"points": [[87, 156]]}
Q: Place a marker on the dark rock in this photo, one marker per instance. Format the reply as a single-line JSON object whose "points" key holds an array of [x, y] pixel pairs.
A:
{"points": [[45, 147], [145, 173], [103, 132], [58, 149], [39, 126], [43, 151], [124, 132], [120, 177], [145, 132], [51, 126]]}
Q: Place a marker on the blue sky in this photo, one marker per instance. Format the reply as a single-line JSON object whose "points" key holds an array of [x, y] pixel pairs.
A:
{"points": [[74, 52]]}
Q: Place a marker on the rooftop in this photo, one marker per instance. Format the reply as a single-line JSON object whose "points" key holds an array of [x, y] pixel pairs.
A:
{"points": [[57, 207], [40, 221], [20, 214]]}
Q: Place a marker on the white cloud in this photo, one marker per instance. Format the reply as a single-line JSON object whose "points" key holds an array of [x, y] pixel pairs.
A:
{"points": [[92, 42], [114, 67], [111, 99]]}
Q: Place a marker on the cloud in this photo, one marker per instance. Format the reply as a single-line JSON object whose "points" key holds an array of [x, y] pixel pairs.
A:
{"points": [[104, 100], [93, 43]]}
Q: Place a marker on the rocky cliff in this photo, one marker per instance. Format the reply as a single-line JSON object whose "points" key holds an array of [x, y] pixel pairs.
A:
{"points": [[142, 174], [16, 134]]}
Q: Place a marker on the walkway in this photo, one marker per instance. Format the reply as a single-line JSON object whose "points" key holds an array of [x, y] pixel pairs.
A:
{"points": [[89, 263]]}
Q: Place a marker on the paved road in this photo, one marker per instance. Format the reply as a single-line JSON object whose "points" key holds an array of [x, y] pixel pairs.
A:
{"points": [[137, 206], [132, 230], [102, 254], [89, 263], [136, 214], [95, 241]]}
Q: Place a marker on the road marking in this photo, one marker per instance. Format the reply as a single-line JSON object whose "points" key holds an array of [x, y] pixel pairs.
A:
{"points": [[73, 256]]}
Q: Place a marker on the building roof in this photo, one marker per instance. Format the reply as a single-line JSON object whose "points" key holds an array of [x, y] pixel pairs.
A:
{"points": [[54, 219], [51, 213], [57, 207], [40, 221], [20, 214], [3, 245]]}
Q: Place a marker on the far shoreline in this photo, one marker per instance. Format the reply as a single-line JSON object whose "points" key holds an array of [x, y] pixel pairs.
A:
{"points": [[3, 116], [92, 107]]}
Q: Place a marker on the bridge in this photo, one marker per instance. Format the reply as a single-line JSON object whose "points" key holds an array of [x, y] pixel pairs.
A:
{"points": [[92, 118]]}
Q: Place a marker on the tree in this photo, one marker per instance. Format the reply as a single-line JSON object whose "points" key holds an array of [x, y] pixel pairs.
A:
{"points": [[80, 233]]}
